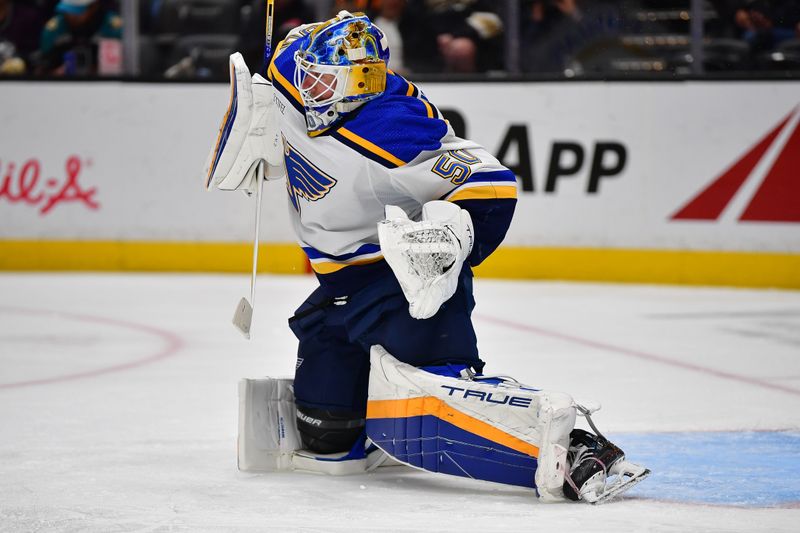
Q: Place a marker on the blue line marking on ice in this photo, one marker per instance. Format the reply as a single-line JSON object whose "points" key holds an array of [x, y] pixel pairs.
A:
{"points": [[754, 469]]}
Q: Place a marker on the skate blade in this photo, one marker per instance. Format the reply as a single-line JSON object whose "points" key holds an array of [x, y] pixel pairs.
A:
{"points": [[625, 481]]}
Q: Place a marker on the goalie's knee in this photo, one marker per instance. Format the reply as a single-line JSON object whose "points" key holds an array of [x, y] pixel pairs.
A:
{"points": [[327, 431]]}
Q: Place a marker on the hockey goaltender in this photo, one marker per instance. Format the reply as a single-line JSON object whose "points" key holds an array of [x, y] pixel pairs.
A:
{"points": [[393, 211]]}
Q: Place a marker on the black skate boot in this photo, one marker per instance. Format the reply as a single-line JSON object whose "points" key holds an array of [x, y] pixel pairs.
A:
{"points": [[593, 460]]}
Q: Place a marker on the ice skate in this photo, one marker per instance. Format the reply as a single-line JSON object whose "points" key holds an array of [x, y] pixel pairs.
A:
{"points": [[598, 470]]}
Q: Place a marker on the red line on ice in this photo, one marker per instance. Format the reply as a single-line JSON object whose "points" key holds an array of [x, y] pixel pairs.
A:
{"points": [[639, 355], [173, 344]]}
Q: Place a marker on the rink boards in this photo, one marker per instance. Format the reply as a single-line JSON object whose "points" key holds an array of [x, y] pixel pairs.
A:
{"points": [[678, 182]]}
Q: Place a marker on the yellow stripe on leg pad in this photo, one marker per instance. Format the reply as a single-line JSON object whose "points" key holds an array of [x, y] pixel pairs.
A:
{"points": [[432, 406]]}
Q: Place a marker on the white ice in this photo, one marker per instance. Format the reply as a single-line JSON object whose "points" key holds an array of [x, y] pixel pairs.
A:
{"points": [[118, 403]]}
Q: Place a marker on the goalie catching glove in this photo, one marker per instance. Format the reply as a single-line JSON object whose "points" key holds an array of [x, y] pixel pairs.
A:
{"points": [[248, 135], [427, 256]]}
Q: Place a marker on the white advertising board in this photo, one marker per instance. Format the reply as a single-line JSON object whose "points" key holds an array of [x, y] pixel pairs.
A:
{"points": [[114, 161], [653, 166], [674, 139]]}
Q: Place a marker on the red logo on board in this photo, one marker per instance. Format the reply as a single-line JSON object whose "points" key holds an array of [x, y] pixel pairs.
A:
{"points": [[777, 198], [26, 186]]}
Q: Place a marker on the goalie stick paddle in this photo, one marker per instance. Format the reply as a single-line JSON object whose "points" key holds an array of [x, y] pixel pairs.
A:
{"points": [[243, 316]]}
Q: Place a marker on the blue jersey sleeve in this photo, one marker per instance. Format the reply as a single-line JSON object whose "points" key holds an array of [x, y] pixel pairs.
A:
{"points": [[490, 197]]}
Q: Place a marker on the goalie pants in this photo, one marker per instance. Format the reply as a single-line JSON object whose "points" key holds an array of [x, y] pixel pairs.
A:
{"points": [[332, 372]]}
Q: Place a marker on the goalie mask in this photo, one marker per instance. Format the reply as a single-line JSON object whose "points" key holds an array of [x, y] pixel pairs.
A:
{"points": [[342, 65]]}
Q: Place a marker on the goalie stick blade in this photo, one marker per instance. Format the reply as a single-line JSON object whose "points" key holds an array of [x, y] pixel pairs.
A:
{"points": [[243, 317]]}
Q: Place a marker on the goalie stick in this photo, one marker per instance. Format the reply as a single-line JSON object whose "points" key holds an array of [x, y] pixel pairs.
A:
{"points": [[268, 37], [243, 316]]}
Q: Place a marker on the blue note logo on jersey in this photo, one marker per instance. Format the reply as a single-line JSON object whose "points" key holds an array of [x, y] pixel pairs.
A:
{"points": [[304, 179]]}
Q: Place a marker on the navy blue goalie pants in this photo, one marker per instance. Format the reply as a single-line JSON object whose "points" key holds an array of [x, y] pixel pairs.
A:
{"points": [[336, 335]]}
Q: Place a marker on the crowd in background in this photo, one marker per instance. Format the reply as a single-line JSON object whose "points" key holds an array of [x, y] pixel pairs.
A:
{"points": [[60, 37], [83, 37], [562, 36]]}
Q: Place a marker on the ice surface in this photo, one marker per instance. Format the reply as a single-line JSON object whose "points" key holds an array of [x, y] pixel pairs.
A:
{"points": [[118, 408]]}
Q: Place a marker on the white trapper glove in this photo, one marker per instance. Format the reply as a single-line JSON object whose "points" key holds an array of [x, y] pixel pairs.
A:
{"points": [[249, 134], [426, 256]]}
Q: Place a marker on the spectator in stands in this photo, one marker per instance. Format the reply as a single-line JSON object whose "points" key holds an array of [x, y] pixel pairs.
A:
{"points": [[543, 26], [438, 35], [413, 43], [554, 32], [411, 39], [390, 18], [148, 14], [20, 27], [460, 36], [723, 25], [764, 24], [69, 40], [468, 34]]}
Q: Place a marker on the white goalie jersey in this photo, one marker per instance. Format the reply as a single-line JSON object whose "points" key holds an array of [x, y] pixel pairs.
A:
{"points": [[394, 150]]}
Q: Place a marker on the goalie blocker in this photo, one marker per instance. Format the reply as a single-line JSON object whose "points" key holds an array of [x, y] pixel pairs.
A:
{"points": [[486, 428], [249, 134]]}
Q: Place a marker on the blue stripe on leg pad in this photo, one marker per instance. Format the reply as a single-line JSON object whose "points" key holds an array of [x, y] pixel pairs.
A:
{"points": [[432, 444]]}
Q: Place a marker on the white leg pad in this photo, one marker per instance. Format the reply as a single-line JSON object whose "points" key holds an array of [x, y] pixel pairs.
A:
{"points": [[269, 440], [556, 426], [268, 434], [495, 431]]}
